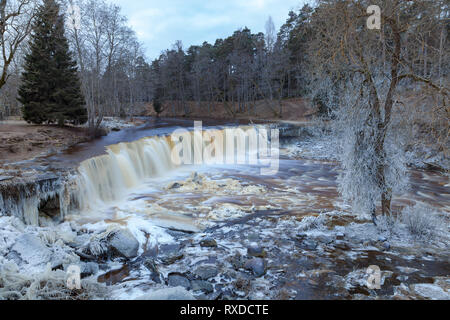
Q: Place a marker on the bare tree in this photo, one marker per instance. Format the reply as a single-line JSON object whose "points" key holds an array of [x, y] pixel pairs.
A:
{"points": [[16, 19]]}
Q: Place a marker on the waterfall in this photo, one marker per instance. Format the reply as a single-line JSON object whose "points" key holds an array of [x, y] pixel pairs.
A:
{"points": [[125, 166], [107, 177]]}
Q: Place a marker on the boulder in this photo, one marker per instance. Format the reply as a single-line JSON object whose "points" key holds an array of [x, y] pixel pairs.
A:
{"points": [[201, 285], [208, 243], [257, 266], [124, 243], [177, 280], [206, 272], [30, 250]]}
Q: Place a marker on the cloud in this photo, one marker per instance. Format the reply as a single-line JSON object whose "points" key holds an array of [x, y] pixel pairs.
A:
{"points": [[158, 24]]}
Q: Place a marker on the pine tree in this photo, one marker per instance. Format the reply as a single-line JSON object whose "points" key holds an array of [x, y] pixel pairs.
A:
{"points": [[50, 90]]}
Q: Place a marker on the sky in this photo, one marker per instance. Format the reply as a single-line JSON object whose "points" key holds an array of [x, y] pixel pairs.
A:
{"points": [[160, 23]]}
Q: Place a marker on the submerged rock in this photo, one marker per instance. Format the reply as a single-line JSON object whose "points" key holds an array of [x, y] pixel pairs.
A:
{"points": [[178, 293]]}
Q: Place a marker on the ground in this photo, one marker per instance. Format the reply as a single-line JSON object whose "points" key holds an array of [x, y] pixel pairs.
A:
{"points": [[295, 109], [22, 141]]}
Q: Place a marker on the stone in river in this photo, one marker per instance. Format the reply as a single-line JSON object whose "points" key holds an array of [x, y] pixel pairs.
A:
{"points": [[31, 250], [177, 280], [256, 251], [201, 285], [208, 243], [206, 272], [124, 243], [257, 266]]}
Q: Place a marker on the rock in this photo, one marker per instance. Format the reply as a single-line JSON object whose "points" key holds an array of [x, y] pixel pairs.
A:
{"points": [[430, 291], [178, 293], [208, 243], [170, 253], [201, 285], [175, 185], [31, 250], [255, 251], [89, 269], [257, 266], [4, 178], [237, 261], [386, 246], [382, 239], [177, 280], [206, 272], [124, 243]]}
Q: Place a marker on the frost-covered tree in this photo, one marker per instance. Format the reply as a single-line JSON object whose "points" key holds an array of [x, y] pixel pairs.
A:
{"points": [[366, 72]]}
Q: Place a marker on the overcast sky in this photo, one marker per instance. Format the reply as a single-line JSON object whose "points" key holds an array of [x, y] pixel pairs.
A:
{"points": [[159, 23]]}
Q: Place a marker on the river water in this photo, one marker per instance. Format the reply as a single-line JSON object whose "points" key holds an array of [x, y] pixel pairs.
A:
{"points": [[312, 245]]}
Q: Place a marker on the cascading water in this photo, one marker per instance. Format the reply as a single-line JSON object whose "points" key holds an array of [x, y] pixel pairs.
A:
{"points": [[108, 177]]}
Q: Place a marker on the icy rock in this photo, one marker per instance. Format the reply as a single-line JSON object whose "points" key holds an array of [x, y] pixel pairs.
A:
{"points": [[170, 253], [178, 293], [206, 272], [256, 251], [89, 269], [430, 291], [257, 266], [237, 261], [386, 246], [200, 285], [124, 243], [177, 280], [31, 250], [382, 239], [208, 243]]}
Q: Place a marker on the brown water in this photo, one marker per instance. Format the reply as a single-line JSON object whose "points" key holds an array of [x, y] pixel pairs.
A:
{"points": [[235, 205]]}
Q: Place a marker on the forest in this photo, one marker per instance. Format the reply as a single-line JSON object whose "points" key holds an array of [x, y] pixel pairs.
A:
{"points": [[236, 72]]}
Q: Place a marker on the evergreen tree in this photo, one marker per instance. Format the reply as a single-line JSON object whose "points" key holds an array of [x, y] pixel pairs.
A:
{"points": [[50, 90]]}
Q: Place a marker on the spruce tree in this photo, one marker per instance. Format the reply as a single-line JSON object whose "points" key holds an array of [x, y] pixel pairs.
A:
{"points": [[50, 90]]}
